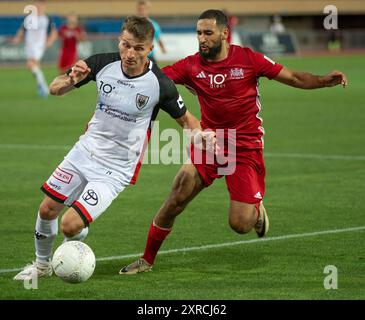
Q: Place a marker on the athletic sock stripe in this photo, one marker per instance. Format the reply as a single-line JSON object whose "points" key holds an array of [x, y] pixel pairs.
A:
{"points": [[53, 194], [85, 216]]}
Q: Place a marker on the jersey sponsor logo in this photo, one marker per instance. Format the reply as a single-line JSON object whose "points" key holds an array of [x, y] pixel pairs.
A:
{"points": [[180, 102], [90, 197], [217, 80], [106, 88], [141, 101], [62, 175], [237, 73], [201, 75], [126, 84], [115, 113]]}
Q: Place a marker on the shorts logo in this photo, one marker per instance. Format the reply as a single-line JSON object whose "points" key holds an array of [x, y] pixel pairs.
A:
{"points": [[90, 197], [62, 175], [141, 101]]}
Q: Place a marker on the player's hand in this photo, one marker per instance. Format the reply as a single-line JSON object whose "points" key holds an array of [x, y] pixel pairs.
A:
{"points": [[79, 71], [15, 40], [335, 78], [207, 140]]}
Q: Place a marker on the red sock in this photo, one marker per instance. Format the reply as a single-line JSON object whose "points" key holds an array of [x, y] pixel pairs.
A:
{"points": [[156, 236]]}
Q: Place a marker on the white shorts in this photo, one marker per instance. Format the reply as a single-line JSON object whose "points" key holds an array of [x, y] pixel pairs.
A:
{"points": [[83, 184], [34, 52]]}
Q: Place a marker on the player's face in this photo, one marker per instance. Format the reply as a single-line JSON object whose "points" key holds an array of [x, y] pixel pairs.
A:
{"points": [[41, 7], [133, 53], [210, 38], [72, 21]]}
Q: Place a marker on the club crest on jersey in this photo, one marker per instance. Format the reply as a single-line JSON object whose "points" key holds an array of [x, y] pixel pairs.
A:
{"points": [[237, 73], [141, 101]]}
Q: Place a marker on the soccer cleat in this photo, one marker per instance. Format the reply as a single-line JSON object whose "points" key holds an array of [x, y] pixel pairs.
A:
{"points": [[42, 91], [141, 265], [30, 271], [262, 224]]}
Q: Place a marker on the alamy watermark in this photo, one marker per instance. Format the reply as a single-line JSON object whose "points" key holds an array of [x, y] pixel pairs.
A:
{"points": [[31, 20], [31, 283], [330, 22], [219, 150], [330, 281]]}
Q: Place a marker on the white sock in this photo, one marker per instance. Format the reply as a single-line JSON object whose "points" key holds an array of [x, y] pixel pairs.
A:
{"points": [[78, 237], [41, 81], [45, 234]]}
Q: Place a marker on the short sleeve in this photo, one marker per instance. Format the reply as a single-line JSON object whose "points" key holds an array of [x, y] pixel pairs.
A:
{"points": [[178, 71], [51, 26], [170, 99], [264, 66], [96, 63]]}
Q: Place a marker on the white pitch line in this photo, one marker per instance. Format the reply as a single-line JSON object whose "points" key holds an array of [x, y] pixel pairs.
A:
{"points": [[314, 156], [266, 154], [222, 245]]}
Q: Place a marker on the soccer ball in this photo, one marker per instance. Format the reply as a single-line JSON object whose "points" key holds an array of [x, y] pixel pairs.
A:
{"points": [[73, 262]]}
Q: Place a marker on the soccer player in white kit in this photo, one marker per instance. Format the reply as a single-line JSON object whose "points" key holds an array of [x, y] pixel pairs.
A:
{"points": [[39, 33], [107, 157]]}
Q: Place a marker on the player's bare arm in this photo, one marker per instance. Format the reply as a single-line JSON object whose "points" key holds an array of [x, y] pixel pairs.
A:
{"points": [[65, 83], [306, 80], [196, 135], [52, 38], [18, 37]]}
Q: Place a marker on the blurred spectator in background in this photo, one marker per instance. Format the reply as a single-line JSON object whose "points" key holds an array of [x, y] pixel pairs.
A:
{"points": [[232, 21], [39, 33], [70, 34], [143, 11], [277, 25]]}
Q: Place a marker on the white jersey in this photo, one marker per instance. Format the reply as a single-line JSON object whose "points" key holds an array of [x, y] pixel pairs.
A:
{"points": [[35, 36], [126, 106]]}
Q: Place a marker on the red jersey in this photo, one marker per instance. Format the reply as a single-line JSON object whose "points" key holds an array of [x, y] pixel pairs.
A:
{"points": [[69, 37], [228, 91]]}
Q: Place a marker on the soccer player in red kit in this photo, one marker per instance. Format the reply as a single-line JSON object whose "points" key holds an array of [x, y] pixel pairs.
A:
{"points": [[225, 79], [70, 34]]}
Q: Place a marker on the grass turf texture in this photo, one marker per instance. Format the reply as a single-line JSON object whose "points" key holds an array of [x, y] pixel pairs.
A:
{"points": [[303, 195]]}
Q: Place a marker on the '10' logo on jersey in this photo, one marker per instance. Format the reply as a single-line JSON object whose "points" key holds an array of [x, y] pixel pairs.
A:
{"points": [[106, 88], [217, 80]]}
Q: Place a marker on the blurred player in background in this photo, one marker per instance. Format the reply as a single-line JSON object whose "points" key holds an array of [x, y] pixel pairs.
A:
{"points": [[107, 157], [70, 34], [225, 79], [143, 11], [39, 33], [232, 22], [277, 25]]}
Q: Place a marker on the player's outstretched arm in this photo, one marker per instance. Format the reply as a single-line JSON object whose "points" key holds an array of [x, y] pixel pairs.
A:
{"points": [[191, 125], [18, 37], [306, 80], [65, 83]]}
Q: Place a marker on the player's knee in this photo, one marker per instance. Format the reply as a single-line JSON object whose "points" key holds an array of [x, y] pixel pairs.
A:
{"points": [[178, 198], [47, 211], [176, 203], [240, 227], [241, 224], [69, 227]]}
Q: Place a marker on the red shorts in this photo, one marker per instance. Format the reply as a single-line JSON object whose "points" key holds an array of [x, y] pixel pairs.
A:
{"points": [[246, 179]]}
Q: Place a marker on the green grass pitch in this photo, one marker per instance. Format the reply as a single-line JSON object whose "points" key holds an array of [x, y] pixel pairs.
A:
{"points": [[315, 158]]}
